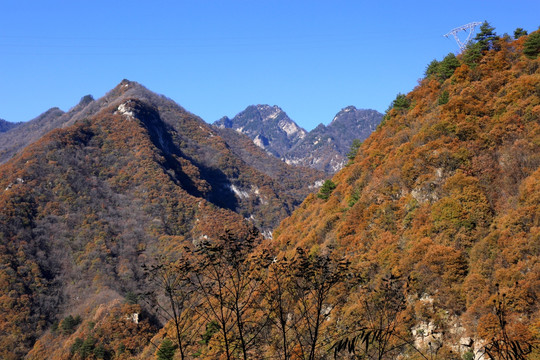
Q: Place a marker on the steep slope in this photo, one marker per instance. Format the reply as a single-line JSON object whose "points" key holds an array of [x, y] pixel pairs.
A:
{"points": [[268, 126], [136, 177], [236, 186], [445, 195], [325, 148], [85, 206], [297, 181]]}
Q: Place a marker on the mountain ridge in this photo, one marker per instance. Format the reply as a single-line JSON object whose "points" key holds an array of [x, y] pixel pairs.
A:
{"points": [[135, 179], [425, 245], [324, 148], [6, 125], [268, 126]]}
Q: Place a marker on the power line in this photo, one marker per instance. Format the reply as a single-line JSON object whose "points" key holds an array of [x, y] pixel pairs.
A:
{"points": [[470, 27]]}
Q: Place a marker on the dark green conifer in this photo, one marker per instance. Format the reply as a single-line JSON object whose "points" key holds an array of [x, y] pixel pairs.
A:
{"points": [[166, 350], [531, 48], [486, 37], [519, 32], [326, 189]]}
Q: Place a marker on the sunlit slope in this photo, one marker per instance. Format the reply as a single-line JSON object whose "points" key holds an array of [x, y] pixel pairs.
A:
{"points": [[447, 193]]}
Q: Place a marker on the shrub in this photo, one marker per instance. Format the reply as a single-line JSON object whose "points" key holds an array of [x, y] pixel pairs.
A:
{"points": [[69, 324], [166, 350], [443, 98]]}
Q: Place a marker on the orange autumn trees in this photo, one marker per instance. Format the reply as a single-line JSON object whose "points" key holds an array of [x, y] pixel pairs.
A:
{"points": [[243, 301], [445, 191], [401, 255]]}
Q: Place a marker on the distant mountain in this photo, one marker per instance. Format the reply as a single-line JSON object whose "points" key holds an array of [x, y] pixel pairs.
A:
{"points": [[28, 132], [268, 126], [292, 178], [6, 125], [324, 148]]}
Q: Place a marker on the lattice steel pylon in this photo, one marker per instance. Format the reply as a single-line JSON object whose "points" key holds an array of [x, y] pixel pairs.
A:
{"points": [[470, 27]]}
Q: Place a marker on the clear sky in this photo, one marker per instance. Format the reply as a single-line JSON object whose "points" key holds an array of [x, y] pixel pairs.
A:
{"points": [[216, 57]]}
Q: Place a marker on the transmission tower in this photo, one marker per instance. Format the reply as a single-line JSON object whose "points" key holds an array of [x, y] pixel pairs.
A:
{"points": [[470, 27]]}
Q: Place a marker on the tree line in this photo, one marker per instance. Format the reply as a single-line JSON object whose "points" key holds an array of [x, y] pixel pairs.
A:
{"points": [[237, 298]]}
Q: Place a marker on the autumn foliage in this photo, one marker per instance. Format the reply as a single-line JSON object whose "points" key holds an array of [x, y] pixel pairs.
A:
{"points": [[446, 192], [425, 246]]}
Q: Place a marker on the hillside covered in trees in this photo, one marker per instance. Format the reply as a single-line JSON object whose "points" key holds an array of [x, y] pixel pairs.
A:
{"points": [[115, 242], [122, 179], [444, 195]]}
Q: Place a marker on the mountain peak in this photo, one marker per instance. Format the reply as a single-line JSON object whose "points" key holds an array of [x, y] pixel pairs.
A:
{"points": [[269, 126], [85, 100], [350, 116], [349, 111], [125, 86], [127, 83], [269, 113], [349, 108], [326, 146]]}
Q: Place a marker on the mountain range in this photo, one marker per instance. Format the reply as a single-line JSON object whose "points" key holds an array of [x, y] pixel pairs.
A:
{"points": [[6, 125], [324, 148], [132, 229], [133, 172]]}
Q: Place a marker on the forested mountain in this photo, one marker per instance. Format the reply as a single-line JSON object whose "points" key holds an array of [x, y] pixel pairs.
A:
{"points": [[123, 178], [19, 137], [118, 239], [441, 205], [324, 148], [289, 184]]}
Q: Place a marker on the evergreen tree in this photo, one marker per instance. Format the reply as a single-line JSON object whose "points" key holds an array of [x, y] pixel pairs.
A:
{"points": [[354, 149], [442, 70], [486, 37], [166, 350], [401, 102], [443, 98], [472, 54], [519, 32], [447, 67], [432, 68], [69, 324], [531, 48], [326, 189]]}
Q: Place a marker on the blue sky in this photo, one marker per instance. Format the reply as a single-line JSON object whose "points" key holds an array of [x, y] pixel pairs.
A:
{"points": [[311, 58]]}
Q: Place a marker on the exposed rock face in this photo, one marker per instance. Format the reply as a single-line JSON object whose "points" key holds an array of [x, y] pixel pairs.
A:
{"points": [[268, 126], [247, 167], [324, 148]]}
